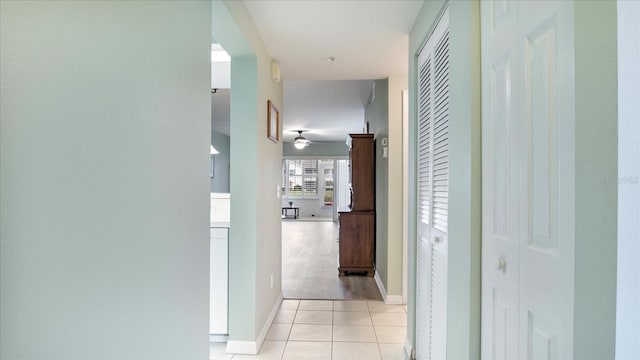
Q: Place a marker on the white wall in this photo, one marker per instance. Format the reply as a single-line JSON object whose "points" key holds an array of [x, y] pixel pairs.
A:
{"points": [[325, 149], [596, 114], [221, 75], [628, 180], [105, 117], [255, 235], [397, 83], [376, 115]]}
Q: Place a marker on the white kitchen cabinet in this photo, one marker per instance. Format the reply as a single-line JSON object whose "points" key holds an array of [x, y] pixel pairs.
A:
{"points": [[219, 283]]}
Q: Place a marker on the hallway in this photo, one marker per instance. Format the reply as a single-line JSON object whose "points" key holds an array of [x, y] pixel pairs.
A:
{"points": [[310, 264], [507, 185]]}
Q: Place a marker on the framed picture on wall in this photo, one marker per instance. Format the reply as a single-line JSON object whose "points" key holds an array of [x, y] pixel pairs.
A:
{"points": [[273, 122]]}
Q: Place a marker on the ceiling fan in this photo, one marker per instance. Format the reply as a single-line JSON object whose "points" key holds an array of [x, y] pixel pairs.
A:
{"points": [[300, 142]]}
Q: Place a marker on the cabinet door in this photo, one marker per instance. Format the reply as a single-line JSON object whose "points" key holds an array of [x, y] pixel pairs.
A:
{"points": [[356, 240], [219, 281], [362, 173]]}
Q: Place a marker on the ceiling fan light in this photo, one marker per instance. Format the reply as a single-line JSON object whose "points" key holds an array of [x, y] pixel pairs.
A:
{"points": [[300, 142]]}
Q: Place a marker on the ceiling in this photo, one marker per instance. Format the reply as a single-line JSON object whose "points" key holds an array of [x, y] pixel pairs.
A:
{"points": [[368, 38], [326, 110]]}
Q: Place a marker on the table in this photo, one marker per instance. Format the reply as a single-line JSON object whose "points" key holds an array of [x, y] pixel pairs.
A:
{"points": [[296, 211]]}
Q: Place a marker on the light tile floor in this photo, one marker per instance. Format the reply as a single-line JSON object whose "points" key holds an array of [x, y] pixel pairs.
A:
{"points": [[331, 330]]}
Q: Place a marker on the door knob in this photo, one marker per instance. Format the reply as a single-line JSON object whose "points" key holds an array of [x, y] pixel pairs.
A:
{"points": [[501, 265]]}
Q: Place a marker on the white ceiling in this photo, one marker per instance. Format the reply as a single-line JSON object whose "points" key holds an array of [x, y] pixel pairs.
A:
{"points": [[326, 110], [369, 38]]}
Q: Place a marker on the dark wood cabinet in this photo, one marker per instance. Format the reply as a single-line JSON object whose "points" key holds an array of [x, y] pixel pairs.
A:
{"points": [[363, 174], [357, 242], [358, 223]]}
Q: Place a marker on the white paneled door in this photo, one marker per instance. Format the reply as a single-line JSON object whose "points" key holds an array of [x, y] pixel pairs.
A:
{"points": [[433, 193], [527, 177]]}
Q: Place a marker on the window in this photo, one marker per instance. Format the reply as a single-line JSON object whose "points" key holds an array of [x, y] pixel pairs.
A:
{"points": [[313, 179], [328, 186], [300, 178]]}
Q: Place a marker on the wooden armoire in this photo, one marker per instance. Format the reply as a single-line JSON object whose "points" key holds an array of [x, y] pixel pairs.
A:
{"points": [[357, 235]]}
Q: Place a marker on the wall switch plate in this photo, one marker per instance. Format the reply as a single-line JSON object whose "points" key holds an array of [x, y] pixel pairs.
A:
{"points": [[277, 191], [272, 281]]}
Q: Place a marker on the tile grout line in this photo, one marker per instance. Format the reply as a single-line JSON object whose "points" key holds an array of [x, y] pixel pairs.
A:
{"points": [[286, 344], [374, 331], [333, 306], [333, 311]]}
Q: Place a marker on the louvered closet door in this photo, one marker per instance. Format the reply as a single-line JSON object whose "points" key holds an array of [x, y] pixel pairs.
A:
{"points": [[433, 193]]}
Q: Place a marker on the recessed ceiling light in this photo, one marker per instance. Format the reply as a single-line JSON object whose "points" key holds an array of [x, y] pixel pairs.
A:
{"points": [[331, 59]]}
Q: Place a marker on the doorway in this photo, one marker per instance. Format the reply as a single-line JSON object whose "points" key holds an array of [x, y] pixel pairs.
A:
{"points": [[220, 197], [316, 188]]}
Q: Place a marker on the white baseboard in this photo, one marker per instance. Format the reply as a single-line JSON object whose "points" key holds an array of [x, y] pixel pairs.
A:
{"points": [[394, 300], [408, 350], [252, 347], [267, 325], [388, 299], [383, 291], [242, 347]]}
